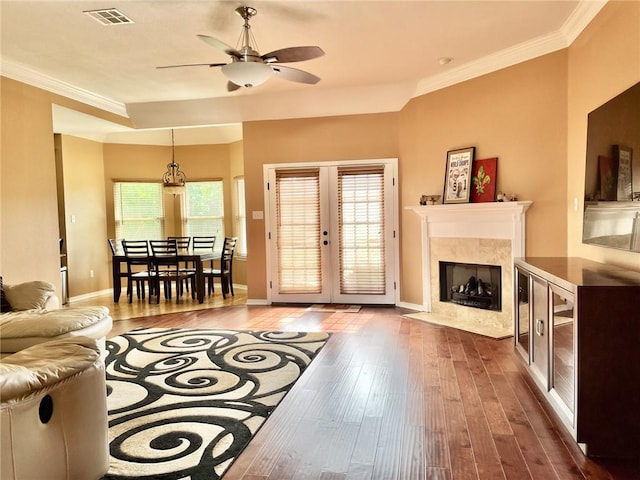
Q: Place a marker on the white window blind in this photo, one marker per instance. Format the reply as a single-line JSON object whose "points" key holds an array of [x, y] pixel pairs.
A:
{"points": [[138, 210], [298, 231], [361, 230], [241, 219], [204, 210]]}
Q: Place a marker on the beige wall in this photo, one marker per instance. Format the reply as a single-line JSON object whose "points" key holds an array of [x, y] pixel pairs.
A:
{"points": [[307, 140], [29, 232], [84, 211], [518, 115], [603, 62], [29, 248]]}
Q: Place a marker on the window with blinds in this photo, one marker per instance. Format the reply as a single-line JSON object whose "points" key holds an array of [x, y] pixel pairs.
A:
{"points": [[298, 231], [361, 230], [138, 210], [204, 210], [241, 218]]}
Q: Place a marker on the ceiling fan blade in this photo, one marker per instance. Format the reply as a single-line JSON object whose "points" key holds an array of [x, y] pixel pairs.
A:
{"points": [[295, 75], [214, 42], [194, 65], [232, 87], [292, 54]]}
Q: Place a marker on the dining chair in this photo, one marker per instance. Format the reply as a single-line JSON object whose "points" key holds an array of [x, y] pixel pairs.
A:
{"points": [[115, 244], [225, 272], [166, 267], [139, 268], [204, 244], [184, 243]]}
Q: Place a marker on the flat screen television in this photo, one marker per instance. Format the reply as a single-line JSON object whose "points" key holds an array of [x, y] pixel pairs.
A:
{"points": [[612, 175]]}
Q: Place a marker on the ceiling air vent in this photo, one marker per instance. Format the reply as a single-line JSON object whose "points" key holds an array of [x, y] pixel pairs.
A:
{"points": [[109, 16]]}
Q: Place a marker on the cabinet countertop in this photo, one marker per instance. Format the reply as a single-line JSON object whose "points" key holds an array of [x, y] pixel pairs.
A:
{"points": [[581, 272]]}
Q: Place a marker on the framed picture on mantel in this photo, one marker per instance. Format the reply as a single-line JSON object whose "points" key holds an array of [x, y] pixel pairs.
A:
{"points": [[483, 180], [458, 175]]}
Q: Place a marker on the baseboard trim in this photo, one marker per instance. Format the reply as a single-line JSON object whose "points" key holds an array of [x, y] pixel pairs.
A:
{"points": [[411, 306], [88, 296]]}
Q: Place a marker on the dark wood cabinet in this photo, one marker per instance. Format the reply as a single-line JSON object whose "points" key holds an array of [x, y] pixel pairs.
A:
{"points": [[577, 328]]}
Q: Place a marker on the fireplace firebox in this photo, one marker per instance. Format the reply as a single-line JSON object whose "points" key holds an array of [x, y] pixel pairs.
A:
{"points": [[471, 285]]}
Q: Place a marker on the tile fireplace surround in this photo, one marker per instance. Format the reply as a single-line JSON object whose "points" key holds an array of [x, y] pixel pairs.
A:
{"points": [[484, 233]]}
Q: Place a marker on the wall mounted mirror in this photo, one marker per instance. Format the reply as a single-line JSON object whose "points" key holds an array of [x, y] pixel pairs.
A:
{"points": [[612, 176]]}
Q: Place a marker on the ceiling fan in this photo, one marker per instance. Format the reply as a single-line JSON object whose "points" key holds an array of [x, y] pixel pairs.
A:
{"points": [[248, 68]]}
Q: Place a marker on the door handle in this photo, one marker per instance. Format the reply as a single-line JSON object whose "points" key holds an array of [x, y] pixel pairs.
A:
{"points": [[540, 327]]}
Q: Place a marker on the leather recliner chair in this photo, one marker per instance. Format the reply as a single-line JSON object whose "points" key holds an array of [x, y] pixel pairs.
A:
{"points": [[53, 412]]}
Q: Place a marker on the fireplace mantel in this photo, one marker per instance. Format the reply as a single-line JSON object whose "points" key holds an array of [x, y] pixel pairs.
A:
{"points": [[490, 220], [475, 220]]}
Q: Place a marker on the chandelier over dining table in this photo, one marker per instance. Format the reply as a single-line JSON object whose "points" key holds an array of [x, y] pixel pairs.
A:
{"points": [[174, 179]]}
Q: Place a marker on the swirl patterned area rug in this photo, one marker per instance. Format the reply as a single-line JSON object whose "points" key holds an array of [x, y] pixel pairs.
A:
{"points": [[183, 403]]}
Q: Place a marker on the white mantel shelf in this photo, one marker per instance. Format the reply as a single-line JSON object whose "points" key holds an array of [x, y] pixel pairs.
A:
{"points": [[492, 220], [474, 220]]}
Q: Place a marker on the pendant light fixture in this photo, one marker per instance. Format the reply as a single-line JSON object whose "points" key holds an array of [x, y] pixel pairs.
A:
{"points": [[174, 179]]}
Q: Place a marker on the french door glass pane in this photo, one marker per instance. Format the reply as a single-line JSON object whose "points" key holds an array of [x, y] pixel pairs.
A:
{"points": [[298, 231], [361, 230]]}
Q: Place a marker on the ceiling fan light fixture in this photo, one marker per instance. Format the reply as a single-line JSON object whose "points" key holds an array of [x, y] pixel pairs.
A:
{"points": [[247, 74]]}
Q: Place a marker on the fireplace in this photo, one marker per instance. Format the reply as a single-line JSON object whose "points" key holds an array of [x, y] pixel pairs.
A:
{"points": [[491, 233], [471, 285]]}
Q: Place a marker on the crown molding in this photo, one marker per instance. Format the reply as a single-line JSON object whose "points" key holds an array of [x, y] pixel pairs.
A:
{"points": [[24, 74], [562, 38], [580, 18], [490, 63]]}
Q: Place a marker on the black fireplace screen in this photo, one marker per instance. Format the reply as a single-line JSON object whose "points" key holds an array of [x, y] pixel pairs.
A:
{"points": [[472, 285]]}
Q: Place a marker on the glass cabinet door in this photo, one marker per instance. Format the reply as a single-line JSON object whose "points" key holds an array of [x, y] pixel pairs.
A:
{"points": [[563, 361], [522, 312], [539, 326]]}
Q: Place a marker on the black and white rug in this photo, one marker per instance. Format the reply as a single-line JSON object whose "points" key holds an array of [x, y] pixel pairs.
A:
{"points": [[183, 403]]}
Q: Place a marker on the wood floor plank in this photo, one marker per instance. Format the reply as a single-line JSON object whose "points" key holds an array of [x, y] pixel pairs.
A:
{"points": [[337, 457], [366, 446], [438, 474], [484, 449], [357, 404], [490, 471], [394, 398], [392, 430], [468, 392], [513, 463], [436, 450], [461, 452], [360, 471], [434, 416], [412, 455]]}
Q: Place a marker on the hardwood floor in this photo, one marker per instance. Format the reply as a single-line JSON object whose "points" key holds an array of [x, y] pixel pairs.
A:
{"points": [[393, 398]]}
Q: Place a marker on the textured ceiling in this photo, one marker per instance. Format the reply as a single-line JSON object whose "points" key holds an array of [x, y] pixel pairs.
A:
{"points": [[379, 54]]}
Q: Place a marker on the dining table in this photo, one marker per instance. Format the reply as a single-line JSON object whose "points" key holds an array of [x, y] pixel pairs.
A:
{"points": [[193, 256]]}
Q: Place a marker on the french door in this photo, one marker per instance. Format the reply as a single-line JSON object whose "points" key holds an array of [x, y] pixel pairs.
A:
{"points": [[331, 232]]}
